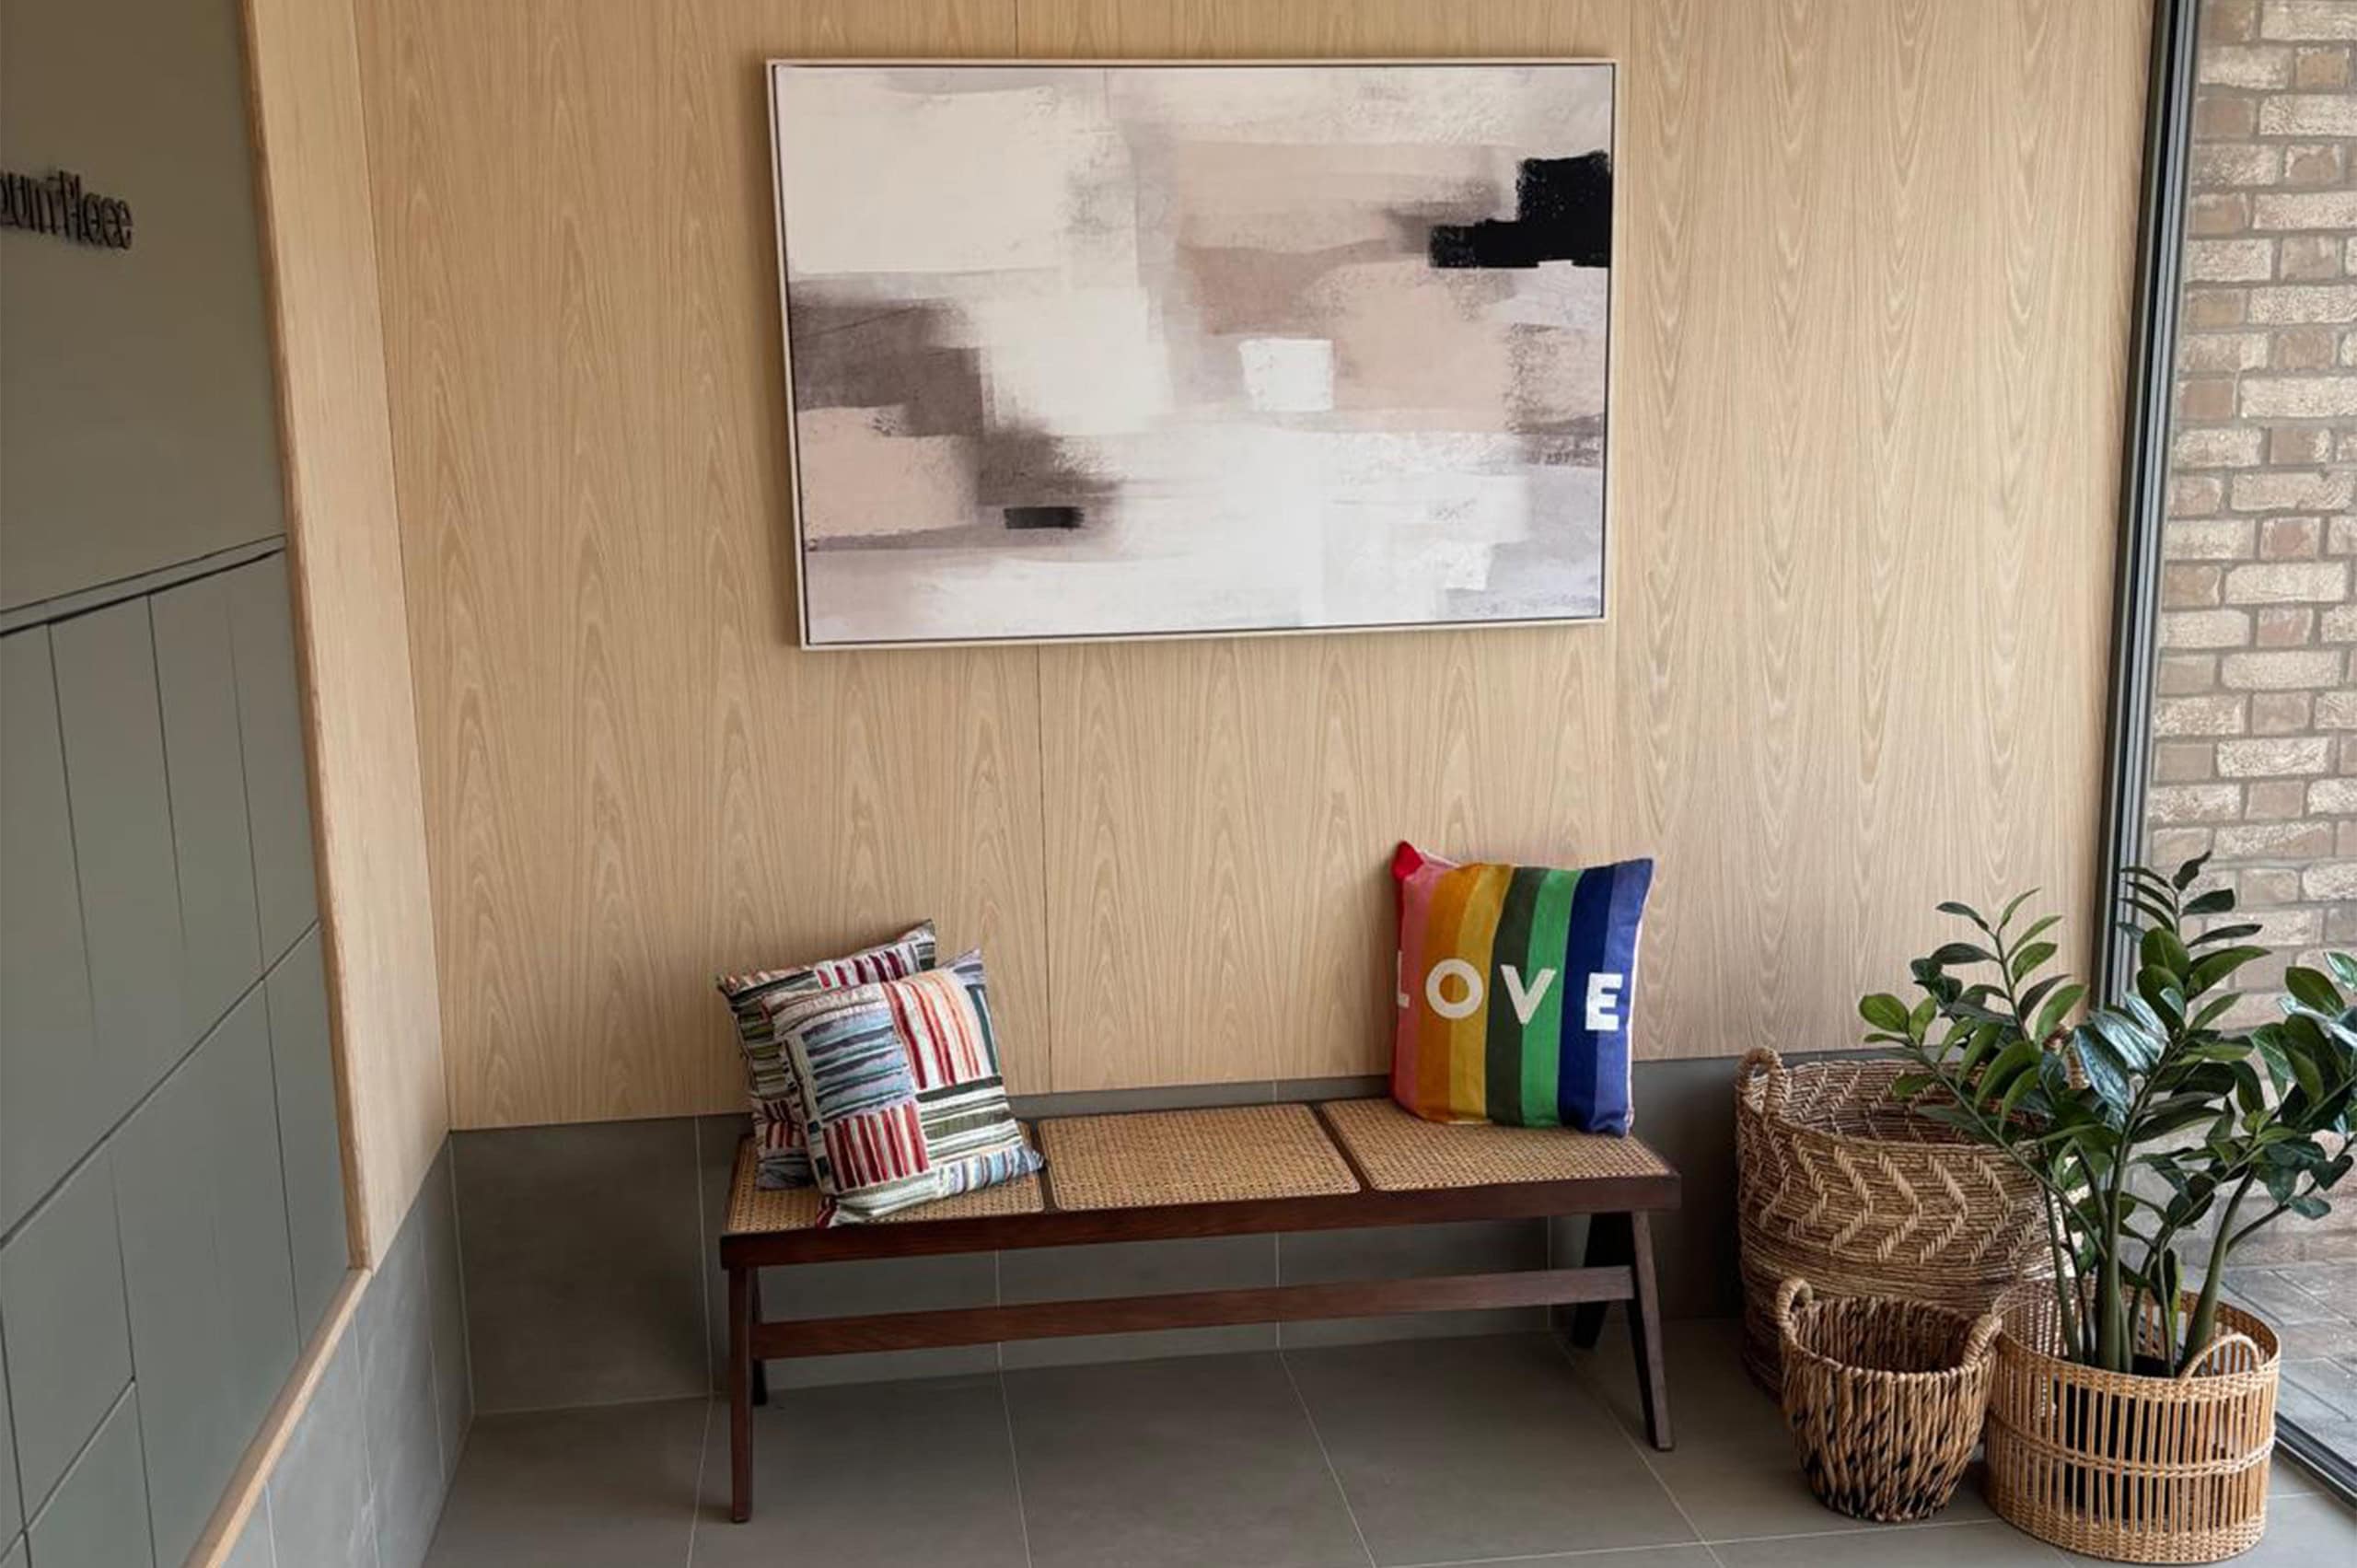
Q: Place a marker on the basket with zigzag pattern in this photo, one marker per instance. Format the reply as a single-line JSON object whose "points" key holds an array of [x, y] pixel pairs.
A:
{"points": [[1840, 1184]]}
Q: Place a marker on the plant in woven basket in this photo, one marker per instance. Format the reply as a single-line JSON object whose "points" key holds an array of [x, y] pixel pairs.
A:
{"points": [[2142, 1121]]}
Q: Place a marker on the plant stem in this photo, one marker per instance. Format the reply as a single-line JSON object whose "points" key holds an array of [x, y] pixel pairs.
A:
{"points": [[2205, 1309]]}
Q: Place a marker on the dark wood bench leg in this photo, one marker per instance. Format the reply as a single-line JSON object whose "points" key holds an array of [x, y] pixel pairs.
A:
{"points": [[740, 1395], [760, 1367], [1610, 1244], [1645, 1332]]}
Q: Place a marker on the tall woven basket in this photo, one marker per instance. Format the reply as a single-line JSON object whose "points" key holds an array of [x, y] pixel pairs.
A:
{"points": [[1838, 1184], [2138, 1469]]}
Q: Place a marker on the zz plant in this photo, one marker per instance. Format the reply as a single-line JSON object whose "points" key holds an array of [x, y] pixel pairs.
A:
{"points": [[2141, 1121]]}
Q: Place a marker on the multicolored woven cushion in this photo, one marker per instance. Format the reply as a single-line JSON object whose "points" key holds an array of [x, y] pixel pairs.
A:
{"points": [[899, 1090], [1515, 985], [768, 1075]]}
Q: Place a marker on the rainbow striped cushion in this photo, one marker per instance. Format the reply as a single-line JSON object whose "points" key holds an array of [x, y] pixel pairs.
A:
{"points": [[1515, 987]]}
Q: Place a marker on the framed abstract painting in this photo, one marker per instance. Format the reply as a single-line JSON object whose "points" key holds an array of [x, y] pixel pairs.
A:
{"points": [[1148, 350]]}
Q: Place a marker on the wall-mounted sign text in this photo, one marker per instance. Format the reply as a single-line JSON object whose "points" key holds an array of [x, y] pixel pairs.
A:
{"points": [[59, 205]]}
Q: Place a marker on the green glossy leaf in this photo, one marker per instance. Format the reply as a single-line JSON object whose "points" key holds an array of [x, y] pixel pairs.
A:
{"points": [[2217, 901], [2057, 1008], [2028, 958], [2225, 933], [2311, 989], [2217, 966], [1884, 1011], [2190, 870]]}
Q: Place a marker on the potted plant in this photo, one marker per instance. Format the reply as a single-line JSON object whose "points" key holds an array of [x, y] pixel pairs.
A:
{"points": [[2133, 1411]]}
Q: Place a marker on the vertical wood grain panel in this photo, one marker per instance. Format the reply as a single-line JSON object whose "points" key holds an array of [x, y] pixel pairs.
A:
{"points": [[344, 559], [633, 777], [1871, 306]]}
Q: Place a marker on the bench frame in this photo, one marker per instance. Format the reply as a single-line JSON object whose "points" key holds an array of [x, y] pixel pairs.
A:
{"points": [[1618, 1267]]}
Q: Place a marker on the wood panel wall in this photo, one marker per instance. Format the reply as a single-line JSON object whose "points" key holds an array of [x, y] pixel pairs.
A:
{"points": [[1872, 295], [344, 549]]}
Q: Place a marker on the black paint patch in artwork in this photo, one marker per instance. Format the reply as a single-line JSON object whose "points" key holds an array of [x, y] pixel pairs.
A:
{"points": [[1044, 517], [1563, 213]]}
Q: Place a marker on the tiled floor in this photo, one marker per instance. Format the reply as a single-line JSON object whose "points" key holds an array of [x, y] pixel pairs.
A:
{"points": [[1493, 1451], [2313, 1309]]}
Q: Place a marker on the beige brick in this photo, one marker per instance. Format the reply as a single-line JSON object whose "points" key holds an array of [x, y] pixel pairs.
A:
{"points": [[2275, 800], [2316, 68], [2218, 449], [2309, 258], [2333, 797], [2190, 585], [2294, 492], [2213, 715], [2274, 841], [2279, 712], [2262, 888], [2197, 351], [2335, 710], [2288, 582], [2227, 21], [2315, 165], [2340, 926], [2303, 348], [2257, 66], [2345, 843], [2286, 928], [2200, 538], [2208, 307], [2205, 629], [2184, 761], [2283, 626], [2305, 209], [2342, 538], [2217, 212], [2340, 624], [2175, 846], [2330, 880], [2220, 118], [2298, 445], [2205, 399], [2294, 304], [2289, 538], [2298, 114], [2273, 758], [2280, 671], [2230, 260], [2185, 675], [2307, 19], [2349, 339], [2299, 397], [2219, 167], [2172, 804], [2195, 495]]}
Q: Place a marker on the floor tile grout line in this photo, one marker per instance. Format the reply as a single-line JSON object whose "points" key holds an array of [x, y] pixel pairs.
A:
{"points": [[1554, 1556], [703, 1457], [1326, 1455], [1014, 1467], [1644, 1456]]}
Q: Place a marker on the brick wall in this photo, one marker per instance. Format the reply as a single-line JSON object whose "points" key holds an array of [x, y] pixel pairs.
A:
{"points": [[2256, 753]]}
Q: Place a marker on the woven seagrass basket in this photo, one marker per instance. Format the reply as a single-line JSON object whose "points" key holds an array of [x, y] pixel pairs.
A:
{"points": [[1840, 1184], [1884, 1397], [2138, 1469]]}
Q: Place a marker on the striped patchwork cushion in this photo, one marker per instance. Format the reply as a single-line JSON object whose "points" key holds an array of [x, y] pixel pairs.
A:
{"points": [[899, 1090], [768, 1075], [1515, 985]]}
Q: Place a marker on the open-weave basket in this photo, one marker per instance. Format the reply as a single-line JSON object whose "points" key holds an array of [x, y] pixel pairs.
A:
{"points": [[1885, 1398], [2138, 1469], [1840, 1184]]}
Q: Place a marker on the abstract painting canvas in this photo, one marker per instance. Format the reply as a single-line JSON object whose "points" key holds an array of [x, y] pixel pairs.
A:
{"points": [[1109, 351]]}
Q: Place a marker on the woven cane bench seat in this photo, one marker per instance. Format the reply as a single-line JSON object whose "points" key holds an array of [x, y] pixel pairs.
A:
{"points": [[1238, 1170]]}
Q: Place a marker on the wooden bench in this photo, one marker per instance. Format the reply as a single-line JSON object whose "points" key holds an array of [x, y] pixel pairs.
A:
{"points": [[1242, 1170]]}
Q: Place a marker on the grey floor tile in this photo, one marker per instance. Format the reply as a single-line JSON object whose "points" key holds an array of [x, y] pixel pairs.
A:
{"points": [[837, 1471], [613, 1487], [585, 1284], [1451, 1450], [1626, 1557], [1735, 1471], [1174, 1464], [1138, 1268], [2274, 1297], [1983, 1544], [1406, 1251], [2305, 1532]]}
